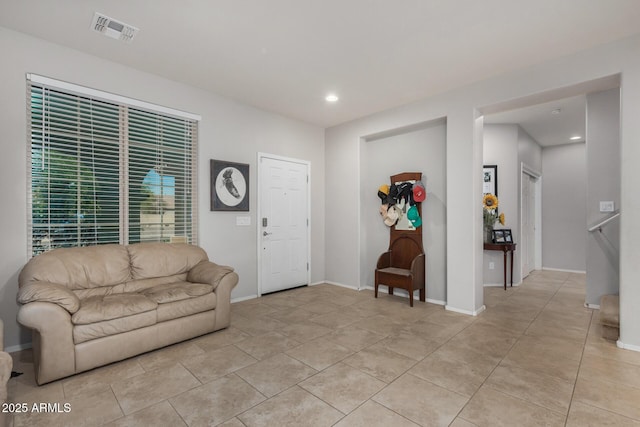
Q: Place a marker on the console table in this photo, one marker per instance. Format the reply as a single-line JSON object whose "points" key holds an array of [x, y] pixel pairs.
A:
{"points": [[504, 248]]}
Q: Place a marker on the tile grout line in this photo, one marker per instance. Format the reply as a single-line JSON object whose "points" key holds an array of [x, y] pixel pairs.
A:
{"points": [[502, 359], [575, 384]]}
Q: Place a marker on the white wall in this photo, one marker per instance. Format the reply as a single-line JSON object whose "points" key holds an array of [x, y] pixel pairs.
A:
{"points": [[550, 80], [603, 184], [414, 150], [228, 131], [529, 152], [500, 147], [564, 198], [507, 146]]}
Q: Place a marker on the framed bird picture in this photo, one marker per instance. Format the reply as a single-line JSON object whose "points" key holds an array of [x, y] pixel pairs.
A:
{"points": [[229, 186]]}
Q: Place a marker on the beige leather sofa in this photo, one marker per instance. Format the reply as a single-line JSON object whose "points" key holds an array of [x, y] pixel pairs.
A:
{"points": [[6, 363], [95, 305]]}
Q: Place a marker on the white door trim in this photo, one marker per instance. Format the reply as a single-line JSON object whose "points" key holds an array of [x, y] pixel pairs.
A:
{"points": [[259, 212], [528, 170]]}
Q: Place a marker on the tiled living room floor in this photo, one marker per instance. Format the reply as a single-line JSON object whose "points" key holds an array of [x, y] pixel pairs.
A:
{"points": [[325, 355]]}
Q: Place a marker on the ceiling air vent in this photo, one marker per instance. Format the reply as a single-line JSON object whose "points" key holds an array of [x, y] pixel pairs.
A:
{"points": [[112, 28]]}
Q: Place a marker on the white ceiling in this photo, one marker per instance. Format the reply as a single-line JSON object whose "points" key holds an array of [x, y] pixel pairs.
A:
{"points": [[543, 125], [286, 55]]}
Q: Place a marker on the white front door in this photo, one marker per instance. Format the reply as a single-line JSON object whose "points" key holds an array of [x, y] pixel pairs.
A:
{"points": [[283, 223]]}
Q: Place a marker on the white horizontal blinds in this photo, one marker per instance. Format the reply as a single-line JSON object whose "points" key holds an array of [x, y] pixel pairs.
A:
{"points": [[104, 172], [160, 177], [74, 170]]}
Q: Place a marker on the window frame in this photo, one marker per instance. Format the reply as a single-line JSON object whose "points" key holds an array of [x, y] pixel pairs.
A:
{"points": [[126, 107]]}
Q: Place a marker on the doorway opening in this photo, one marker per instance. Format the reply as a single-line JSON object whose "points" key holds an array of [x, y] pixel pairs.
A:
{"points": [[569, 174]]}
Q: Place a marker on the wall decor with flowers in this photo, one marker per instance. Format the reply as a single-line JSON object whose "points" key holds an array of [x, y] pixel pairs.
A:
{"points": [[491, 216]]}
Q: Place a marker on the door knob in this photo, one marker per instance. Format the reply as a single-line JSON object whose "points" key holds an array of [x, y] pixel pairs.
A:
{"points": [[264, 233]]}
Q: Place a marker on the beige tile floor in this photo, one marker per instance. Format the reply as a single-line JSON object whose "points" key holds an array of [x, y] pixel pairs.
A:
{"points": [[325, 355]]}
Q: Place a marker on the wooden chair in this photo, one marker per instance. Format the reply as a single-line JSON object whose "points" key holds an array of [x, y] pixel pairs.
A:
{"points": [[403, 265]]}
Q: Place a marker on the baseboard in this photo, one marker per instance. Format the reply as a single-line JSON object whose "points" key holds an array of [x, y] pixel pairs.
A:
{"points": [[564, 270], [631, 347], [19, 347], [592, 306], [467, 312], [384, 289], [244, 298], [318, 283], [342, 285], [500, 285]]}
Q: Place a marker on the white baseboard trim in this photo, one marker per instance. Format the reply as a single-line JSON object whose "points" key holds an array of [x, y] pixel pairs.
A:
{"points": [[631, 347], [592, 306], [500, 285], [405, 294], [322, 282], [342, 285], [564, 270], [244, 298], [19, 347], [467, 312]]}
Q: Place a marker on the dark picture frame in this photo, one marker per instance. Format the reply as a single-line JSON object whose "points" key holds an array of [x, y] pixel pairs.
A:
{"points": [[490, 179], [498, 236], [508, 237], [229, 186]]}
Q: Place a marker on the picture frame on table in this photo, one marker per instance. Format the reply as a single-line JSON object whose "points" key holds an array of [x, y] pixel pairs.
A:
{"points": [[498, 236], [508, 237]]}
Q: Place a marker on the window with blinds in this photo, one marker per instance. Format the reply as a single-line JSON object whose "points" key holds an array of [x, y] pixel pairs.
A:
{"points": [[104, 171]]}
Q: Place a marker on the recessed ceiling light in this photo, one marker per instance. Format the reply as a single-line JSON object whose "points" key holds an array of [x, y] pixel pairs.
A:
{"points": [[575, 138], [556, 111], [331, 97]]}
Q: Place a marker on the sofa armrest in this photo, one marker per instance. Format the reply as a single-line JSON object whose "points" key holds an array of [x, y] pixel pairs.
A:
{"points": [[208, 272], [49, 292], [52, 335], [6, 364], [223, 307]]}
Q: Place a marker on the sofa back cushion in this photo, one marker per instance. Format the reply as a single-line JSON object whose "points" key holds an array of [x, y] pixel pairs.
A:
{"points": [[150, 260], [79, 268]]}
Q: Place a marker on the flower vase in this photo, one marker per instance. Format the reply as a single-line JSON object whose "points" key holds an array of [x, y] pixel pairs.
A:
{"points": [[488, 235]]}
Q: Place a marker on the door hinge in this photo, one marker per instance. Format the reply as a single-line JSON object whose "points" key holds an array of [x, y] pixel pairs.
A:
{"points": [[307, 222], [307, 266], [307, 179]]}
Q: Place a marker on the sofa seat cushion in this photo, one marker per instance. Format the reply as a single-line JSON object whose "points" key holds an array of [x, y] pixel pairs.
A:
{"points": [[82, 333], [99, 308], [187, 307], [171, 292]]}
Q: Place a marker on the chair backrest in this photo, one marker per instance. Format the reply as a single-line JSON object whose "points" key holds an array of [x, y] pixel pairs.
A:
{"points": [[405, 245], [404, 249]]}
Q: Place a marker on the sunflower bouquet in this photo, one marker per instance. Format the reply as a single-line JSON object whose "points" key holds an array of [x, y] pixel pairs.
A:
{"points": [[490, 210]]}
